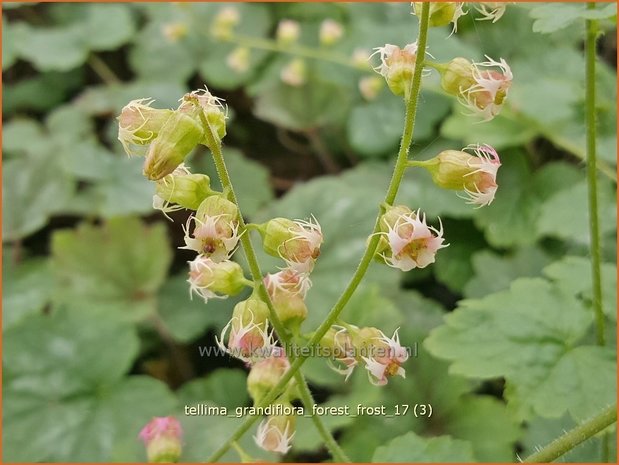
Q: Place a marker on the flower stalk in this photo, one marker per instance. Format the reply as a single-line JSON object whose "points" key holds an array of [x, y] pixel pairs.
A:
{"points": [[396, 179]]}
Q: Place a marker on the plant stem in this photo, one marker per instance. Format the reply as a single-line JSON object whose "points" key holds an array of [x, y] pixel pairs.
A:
{"points": [[398, 173], [594, 224], [103, 70], [575, 436], [306, 396]]}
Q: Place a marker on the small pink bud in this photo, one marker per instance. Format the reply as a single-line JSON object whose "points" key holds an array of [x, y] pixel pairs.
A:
{"points": [[275, 433], [266, 373], [361, 58], [370, 86], [297, 242], [288, 31], [294, 73], [162, 438], [215, 280], [238, 60], [411, 243], [225, 22], [330, 32], [175, 31], [287, 290]]}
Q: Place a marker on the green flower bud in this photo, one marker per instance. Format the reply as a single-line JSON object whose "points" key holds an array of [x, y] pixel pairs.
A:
{"points": [[266, 373], [252, 310], [162, 438], [276, 432], [139, 123], [217, 205], [177, 138], [441, 14], [212, 109], [210, 280], [297, 242], [387, 221], [183, 188], [456, 76]]}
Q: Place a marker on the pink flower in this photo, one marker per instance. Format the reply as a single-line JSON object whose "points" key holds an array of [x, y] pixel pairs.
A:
{"points": [[412, 243], [248, 341], [488, 93], [388, 356], [275, 434], [162, 438], [303, 248], [288, 281], [214, 236], [483, 178], [215, 280]]}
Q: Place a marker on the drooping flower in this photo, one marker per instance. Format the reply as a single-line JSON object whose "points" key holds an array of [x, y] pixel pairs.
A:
{"points": [[238, 59], [215, 280], [442, 13], [474, 174], [410, 242], [266, 373], [296, 242], [339, 343], [275, 433], [213, 110], [386, 358], [162, 438], [288, 31], [287, 290], [397, 66], [491, 82], [248, 337], [490, 11], [181, 189], [139, 124], [225, 22], [294, 73], [330, 32], [215, 232]]}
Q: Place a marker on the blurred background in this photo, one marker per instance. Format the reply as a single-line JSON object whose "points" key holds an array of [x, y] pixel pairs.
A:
{"points": [[99, 331]]}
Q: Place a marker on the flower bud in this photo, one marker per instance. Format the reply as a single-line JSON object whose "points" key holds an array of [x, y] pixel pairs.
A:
{"points": [[370, 86], [287, 290], [211, 280], [212, 109], [361, 58], [441, 13], [288, 31], [177, 138], [162, 438], [457, 75], [266, 373], [215, 234], [411, 243], [182, 188], [474, 174], [139, 123], [384, 356], [339, 341], [330, 32], [238, 59], [174, 32], [297, 242], [397, 67], [294, 73], [275, 433], [226, 20], [249, 337], [490, 11]]}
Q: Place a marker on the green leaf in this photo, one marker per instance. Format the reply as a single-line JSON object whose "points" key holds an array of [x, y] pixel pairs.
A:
{"points": [[32, 190], [118, 267], [527, 334], [9, 52], [494, 273], [223, 387], [552, 17], [106, 27], [412, 448], [565, 214], [27, 288], [574, 275]]}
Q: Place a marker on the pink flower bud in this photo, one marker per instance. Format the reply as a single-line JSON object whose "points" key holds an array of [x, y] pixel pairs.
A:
{"points": [[266, 373], [162, 438], [275, 433], [297, 242], [287, 290], [288, 31], [139, 124], [215, 280], [225, 21], [294, 73], [411, 243], [215, 233], [175, 31], [330, 32], [249, 338], [486, 95], [370, 86], [238, 59], [473, 174], [397, 67]]}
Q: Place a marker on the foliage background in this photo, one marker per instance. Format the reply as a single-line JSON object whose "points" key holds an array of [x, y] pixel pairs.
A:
{"points": [[99, 331]]}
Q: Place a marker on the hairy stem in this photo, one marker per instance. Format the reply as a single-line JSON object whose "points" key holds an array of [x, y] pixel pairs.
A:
{"points": [[594, 224], [282, 333], [575, 436], [396, 179]]}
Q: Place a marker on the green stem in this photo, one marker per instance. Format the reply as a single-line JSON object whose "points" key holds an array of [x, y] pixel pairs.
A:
{"points": [[103, 70], [594, 224], [575, 436], [396, 179], [215, 145]]}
